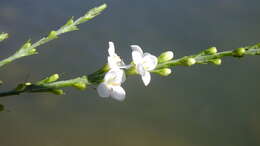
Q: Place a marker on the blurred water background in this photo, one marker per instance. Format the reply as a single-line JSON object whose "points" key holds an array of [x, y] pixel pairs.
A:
{"points": [[204, 105]]}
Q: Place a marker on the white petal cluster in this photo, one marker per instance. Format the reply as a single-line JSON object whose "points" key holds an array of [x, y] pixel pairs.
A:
{"points": [[111, 85], [144, 63], [114, 61]]}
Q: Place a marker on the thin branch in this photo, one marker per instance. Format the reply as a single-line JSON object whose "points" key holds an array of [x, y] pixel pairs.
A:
{"points": [[28, 49], [51, 85]]}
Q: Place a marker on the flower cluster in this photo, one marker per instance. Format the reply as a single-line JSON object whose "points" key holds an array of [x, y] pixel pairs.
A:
{"points": [[143, 64]]}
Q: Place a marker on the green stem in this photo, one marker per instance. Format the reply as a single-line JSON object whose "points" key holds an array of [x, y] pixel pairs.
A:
{"points": [[51, 85], [29, 49], [203, 58]]}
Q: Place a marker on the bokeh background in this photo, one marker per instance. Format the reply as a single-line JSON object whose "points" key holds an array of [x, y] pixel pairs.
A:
{"points": [[203, 105]]}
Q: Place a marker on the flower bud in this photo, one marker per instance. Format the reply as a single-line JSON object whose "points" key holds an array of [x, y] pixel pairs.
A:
{"points": [[3, 36], [165, 56], [52, 35], [69, 22], [216, 61], [49, 79], [163, 72], [53, 78], [190, 61], [80, 85], [57, 91], [26, 45], [211, 51], [27, 83], [239, 52]]}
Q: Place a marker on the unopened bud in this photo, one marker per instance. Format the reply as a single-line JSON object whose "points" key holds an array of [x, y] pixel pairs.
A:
{"points": [[52, 35], [26, 45], [28, 84], [53, 78], [217, 61], [69, 22], [80, 85], [163, 72], [3, 36], [212, 50], [57, 91], [165, 56], [190, 61], [239, 52]]}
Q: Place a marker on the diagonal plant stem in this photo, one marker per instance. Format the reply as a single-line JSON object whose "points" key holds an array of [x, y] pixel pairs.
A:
{"points": [[51, 85], [28, 49]]}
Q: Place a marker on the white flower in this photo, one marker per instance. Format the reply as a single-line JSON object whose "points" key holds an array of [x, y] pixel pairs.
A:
{"points": [[111, 86], [114, 61], [144, 63]]}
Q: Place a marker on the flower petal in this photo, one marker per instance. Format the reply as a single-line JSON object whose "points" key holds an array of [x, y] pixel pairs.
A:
{"points": [[137, 57], [146, 78], [114, 76], [123, 77], [140, 69], [149, 62], [103, 90], [111, 49], [137, 48], [111, 62], [118, 93]]}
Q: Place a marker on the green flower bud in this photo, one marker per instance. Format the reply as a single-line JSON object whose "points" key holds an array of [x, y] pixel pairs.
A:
{"points": [[80, 85], [49, 79], [216, 61], [32, 51], [52, 35], [211, 51], [3, 36], [26, 45], [165, 56], [57, 91], [53, 78], [69, 22], [163, 72], [28, 84], [239, 52], [190, 61]]}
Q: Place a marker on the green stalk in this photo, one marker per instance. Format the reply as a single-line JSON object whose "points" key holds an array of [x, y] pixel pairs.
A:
{"points": [[51, 85], [28, 49]]}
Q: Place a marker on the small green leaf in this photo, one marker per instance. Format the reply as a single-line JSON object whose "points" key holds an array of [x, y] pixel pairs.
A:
{"points": [[52, 35], [92, 13], [3, 36], [27, 45]]}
